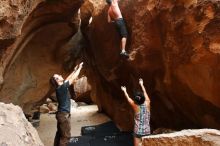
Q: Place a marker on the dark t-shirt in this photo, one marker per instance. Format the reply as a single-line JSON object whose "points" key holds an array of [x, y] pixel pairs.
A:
{"points": [[63, 97]]}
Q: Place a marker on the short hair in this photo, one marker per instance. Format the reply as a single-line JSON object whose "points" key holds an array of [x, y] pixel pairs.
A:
{"points": [[109, 2], [139, 98], [53, 82]]}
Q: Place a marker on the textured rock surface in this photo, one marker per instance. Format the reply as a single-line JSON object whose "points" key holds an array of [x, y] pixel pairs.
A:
{"points": [[38, 50], [202, 137], [82, 90], [15, 129], [174, 47], [27, 81], [12, 17]]}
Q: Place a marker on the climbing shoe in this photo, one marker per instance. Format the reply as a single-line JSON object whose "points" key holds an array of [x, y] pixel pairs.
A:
{"points": [[124, 54]]}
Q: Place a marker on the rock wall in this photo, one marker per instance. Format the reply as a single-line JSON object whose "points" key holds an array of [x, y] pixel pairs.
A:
{"points": [[202, 137], [173, 46], [12, 17], [15, 129], [40, 31]]}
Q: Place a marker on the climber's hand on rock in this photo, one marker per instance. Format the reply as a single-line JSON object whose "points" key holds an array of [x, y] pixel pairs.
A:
{"points": [[123, 88], [141, 82], [80, 65]]}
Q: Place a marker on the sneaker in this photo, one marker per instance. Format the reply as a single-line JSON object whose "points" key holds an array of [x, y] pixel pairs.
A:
{"points": [[124, 54]]}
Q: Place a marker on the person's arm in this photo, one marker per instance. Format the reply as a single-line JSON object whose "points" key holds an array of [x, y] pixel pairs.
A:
{"points": [[145, 93], [74, 75], [131, 102]]}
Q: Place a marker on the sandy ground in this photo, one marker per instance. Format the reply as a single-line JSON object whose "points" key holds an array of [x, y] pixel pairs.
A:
{"points": [[84, 115]]}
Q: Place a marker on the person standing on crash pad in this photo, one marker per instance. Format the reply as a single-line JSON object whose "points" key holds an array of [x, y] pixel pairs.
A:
{"points": [[114, 15], [63, 133], [140, 104]]}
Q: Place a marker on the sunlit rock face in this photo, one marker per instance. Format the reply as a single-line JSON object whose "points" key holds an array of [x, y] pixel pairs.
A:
{"points": [[15, 129], [201, 137], [35, 45], [173, 45]]}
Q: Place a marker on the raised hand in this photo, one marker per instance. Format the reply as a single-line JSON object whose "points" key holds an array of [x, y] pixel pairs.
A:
{"points": [[76, 67], [123, 88], [80, 65], [141, 82]]}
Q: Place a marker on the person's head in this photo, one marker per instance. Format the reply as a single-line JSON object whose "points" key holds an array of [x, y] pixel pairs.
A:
{"points": [[56, 79], [109, 2], [139, 98]]}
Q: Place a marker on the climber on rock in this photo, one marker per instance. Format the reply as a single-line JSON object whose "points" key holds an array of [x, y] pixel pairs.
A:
{"points": [[114, 15], [63, 97], [141, 107]]}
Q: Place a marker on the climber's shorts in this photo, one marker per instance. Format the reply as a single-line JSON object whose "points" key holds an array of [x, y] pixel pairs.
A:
{"points": [[121, 27]]}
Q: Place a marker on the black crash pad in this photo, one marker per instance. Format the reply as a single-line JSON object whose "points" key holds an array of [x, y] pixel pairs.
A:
{"points": [[80, 141], [106, 134], [100, 130], [113, 140]]}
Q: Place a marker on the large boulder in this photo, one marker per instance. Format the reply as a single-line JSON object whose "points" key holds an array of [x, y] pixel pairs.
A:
{"points": [[173, 46], [82, 90], [32, 39], [15, 129], [201, 137]]}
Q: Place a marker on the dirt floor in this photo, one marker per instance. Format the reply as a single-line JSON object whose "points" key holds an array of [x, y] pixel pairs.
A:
{"points": [[83, 115]]}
